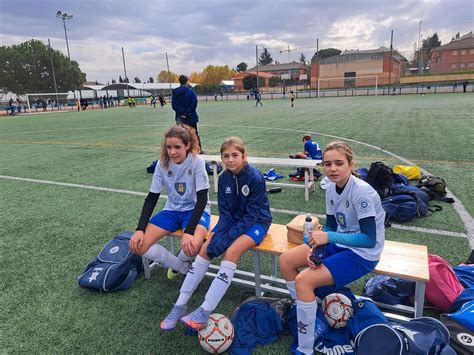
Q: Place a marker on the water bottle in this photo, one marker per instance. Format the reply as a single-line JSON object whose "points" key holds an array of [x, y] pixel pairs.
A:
{"points": [[318, 254], [307, 228]]}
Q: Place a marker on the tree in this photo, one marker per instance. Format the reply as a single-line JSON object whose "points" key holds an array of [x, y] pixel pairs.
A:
{"points": [[120, 79], [113, 81], [167, 77], [274, 81], [250, 82], [150, 79], [426, 45], [26, 67], [325, 53], [265, 57], [212, 75], [241, 67], [302, 58], [137, 80], [197, 78]]}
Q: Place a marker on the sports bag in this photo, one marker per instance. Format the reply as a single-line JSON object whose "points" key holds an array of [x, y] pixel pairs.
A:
{"points": [[462, 339], [390, 290], [435, 187], [412, 172], [443, 287], [380, 178], [210, 168], [114, 269], [403, 208], [418, 336], [152, 167]]}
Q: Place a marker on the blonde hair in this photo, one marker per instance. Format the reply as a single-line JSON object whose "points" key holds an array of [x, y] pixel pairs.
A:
{"points": [[343, 148], [186, 135]]}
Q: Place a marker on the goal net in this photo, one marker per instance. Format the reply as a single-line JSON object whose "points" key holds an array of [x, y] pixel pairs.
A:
{"points": [[350, 86], [46, 102]]}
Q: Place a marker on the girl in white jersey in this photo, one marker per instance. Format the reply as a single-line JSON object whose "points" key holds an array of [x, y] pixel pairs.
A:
{"points": [[181, 171], [354, 237]]}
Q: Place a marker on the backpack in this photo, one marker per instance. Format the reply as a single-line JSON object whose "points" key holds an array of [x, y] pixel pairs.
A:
{"points": [[443, 287], [462, 339], [418, 336], [403, 208], [390, 290], [412, 172], [114, 269], [380, 177], [210, 169], [435, 187], [152, 167]]}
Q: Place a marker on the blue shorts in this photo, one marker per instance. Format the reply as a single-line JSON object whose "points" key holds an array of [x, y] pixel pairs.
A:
{"points": [[174, 220], [257, 232], [346, 266]]}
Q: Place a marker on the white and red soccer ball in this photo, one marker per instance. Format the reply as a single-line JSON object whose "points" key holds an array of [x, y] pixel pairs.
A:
{"points": [[337, 309], [218, 335]]}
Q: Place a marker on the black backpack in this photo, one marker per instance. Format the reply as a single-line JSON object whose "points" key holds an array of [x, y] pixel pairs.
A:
{"points": [[435, 187], [380, 177]]}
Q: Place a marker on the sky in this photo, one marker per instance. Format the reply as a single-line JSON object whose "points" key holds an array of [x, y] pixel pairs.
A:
{"points": [[196, 33]]}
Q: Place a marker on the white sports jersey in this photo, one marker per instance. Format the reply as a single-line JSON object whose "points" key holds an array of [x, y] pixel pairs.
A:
{"points": [[182, 181], [358, 200]]}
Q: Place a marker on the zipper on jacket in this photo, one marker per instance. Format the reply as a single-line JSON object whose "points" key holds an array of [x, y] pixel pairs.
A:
{"points": [[236, 184]]}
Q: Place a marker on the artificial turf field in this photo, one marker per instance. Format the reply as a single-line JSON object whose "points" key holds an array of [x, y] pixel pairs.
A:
{"points": [[49, 232]]}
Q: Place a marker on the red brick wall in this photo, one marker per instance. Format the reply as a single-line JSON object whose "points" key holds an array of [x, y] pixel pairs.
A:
{"points": [[451, 60]]}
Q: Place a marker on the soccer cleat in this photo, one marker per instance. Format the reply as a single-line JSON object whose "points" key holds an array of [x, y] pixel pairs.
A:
{"points": [[173, 317], [196, 320], [171, 274]]}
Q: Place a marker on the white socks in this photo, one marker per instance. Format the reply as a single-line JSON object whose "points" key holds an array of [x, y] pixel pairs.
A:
{"points": [[219, 286], [291, 286], [306, 316], [194, 276], [163, 257]]}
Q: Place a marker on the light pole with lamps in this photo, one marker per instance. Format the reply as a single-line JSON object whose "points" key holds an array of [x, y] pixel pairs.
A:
{"points": [[64, 17]]}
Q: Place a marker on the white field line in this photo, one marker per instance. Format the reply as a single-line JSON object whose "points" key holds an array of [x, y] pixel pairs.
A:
{"points": [[277, 210], [458, 206]]}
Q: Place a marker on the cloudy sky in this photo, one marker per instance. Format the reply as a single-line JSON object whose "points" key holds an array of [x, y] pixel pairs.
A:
{"points": [[196, 33]]}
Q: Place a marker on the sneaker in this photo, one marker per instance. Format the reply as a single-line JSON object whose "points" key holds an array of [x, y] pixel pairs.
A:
{"points": [[196, 320], [173, 317], [171, 273]]}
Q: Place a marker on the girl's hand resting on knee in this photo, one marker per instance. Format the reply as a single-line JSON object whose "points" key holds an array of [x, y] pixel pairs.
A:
{"points": [[187, 244], [318, 238], [136, 241]]}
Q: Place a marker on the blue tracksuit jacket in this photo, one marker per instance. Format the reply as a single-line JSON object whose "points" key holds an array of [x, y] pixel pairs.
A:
{"points": [[184, 103]]}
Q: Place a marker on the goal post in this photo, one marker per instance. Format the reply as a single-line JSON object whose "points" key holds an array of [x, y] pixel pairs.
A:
{"points": [[51, 101], [356, 82]]}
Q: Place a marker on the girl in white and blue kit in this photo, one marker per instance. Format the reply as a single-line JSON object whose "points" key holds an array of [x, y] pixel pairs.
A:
{"points": [[182, 173], [354, 237]]}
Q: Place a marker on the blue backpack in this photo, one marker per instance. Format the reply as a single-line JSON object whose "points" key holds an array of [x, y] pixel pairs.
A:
{"points": [[390, 290], [210, 169], [114, 269], [419, 336]]}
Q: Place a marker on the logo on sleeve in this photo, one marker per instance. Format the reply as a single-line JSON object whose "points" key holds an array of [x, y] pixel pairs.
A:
{"points": [[245, 190], [363, 204], [180, 188]]}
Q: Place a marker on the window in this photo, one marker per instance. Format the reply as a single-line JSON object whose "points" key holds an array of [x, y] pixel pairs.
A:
{"points": [[462, 65], [453, 66], [455, 52], [471, 65], [463, 52], [471, 51]]}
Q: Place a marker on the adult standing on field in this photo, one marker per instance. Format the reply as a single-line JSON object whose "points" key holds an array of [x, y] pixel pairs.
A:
{"points": [[184, 103]]}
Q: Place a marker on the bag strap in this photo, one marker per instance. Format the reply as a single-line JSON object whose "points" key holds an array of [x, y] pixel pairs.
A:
{"points": [[435, 208]]}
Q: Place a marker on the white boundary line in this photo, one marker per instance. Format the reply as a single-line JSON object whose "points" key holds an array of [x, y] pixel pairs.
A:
{"points": [[284, 211], [458, 206]]}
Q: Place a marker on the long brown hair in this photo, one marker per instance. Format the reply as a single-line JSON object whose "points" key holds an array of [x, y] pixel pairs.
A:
{"points": [[343, 148], [186, 135]]}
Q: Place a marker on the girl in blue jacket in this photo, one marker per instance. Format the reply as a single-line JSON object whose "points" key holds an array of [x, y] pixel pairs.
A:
{"points": [[244, 219]]}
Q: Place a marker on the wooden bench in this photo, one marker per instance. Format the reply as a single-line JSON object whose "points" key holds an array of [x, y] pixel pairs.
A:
{"points": [[402, 260], [307, 164]]}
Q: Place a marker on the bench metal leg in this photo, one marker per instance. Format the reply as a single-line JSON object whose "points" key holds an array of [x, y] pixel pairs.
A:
{"points": [[214, 171], [419, 298], [274, 265], [146, 267], [306, 184], [256, 270]]}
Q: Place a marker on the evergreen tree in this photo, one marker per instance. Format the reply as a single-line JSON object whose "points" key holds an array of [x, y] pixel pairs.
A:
{"points": [[241, 67], [265, 57]]}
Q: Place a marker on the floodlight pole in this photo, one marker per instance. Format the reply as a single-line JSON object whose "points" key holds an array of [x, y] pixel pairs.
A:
{"points": [[419, 52], [256, 62], [64, 17], [390, 66], [125, 70], [54, 74]]}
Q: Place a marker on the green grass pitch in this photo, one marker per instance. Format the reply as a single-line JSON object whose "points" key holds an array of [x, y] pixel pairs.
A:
{"points": [[48, 233]]}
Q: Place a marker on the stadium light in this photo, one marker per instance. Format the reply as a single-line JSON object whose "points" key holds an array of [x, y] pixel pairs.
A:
{"points": [[420, 60], [64, 16]]}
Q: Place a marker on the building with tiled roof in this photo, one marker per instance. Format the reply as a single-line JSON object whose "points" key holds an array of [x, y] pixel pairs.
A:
{"points": [[457, 55]]}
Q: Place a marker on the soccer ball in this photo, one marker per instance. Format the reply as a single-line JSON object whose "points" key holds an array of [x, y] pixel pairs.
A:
{"points": [[218, 335], [337, 309]]}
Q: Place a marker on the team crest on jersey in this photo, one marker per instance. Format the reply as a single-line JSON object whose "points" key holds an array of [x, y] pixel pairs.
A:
{"points": [[180, 187], [245, 190], [170, 173], [341, 219], [190, 172], [347, 204], [363, 204]]}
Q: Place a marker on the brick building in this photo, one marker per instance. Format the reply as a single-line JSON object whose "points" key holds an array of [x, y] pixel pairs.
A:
{"points": [[294, 69], [359, 63], [238, 79], [457, 55]]}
